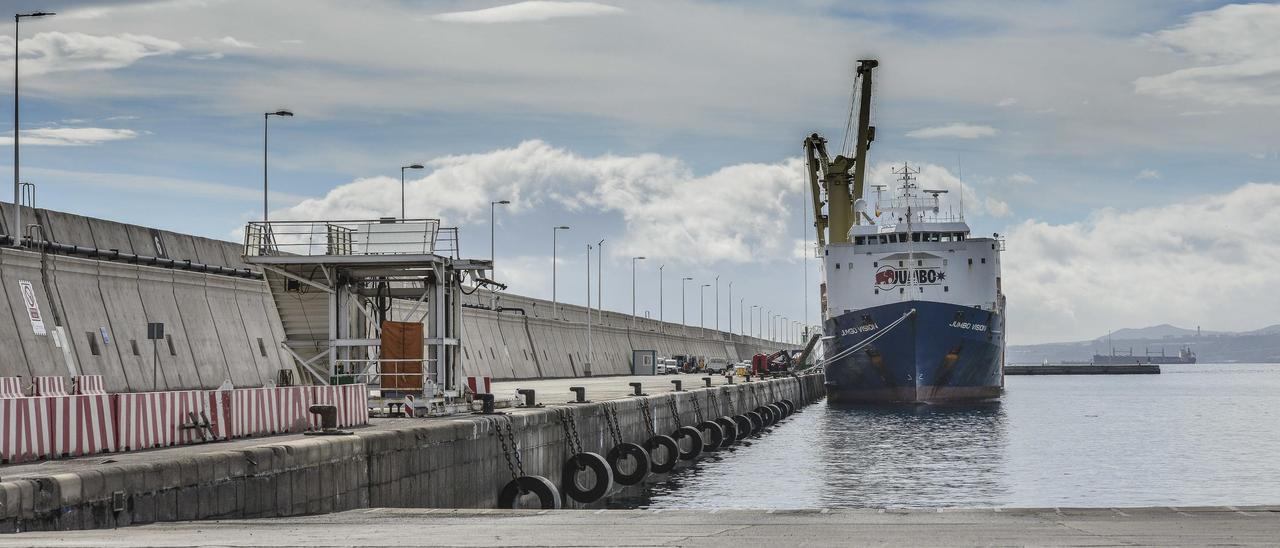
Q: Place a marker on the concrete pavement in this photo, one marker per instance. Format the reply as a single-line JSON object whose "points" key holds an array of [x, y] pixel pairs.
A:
{"points": [[736, 528]]}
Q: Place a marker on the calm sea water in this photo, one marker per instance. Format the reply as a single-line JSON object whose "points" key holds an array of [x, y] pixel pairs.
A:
{"points": [[1194, 435]]}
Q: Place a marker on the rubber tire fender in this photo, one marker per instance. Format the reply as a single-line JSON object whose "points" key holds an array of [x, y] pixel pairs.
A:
{"points": [[766, 415], [778, 412], [712, 435], [730, 430], [757, 422], [791, 406], [673, 453], [548, 495], [622, 451], [745, 426], [695, 439], [582, 461]]}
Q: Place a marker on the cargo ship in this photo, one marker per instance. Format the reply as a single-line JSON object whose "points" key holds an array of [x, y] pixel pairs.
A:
{"points": [[1185, 356], [912, 306]]}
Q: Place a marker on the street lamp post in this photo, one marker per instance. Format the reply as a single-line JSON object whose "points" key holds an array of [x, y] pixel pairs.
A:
{"points": [[661, 303], [402, 168], [730, 310], [590, 349], [599, 280], [265, 117], [742, 314], [493, 217], [17, 199], [717, 303], [633, 290], [702, 310], [751, 328], [554, 231], [684, 319]]}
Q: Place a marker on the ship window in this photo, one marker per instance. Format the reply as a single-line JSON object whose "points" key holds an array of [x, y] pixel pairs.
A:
{"points": [[837, 266], [850, 266], [902, 290], [899, 263], [946, 288], [984, 260], [877, 292], [884, 239], [915, 237], [919, 263], [946, 238], [970, 261], [922, 289], [875, 264], [860, 240], [960, 237]]}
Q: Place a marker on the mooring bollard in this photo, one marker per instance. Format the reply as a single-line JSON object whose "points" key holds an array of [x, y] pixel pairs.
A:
{"points": [[486, 404], [328, 421], [581, 392], [707, 381], [748, 379], [635, 386], [677, 382], [731, 378], [528, 394]]}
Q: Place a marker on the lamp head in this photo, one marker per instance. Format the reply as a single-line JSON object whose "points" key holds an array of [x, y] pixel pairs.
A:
{"points": [[412, 166]]}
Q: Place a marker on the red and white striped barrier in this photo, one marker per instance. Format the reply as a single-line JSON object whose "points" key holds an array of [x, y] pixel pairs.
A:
{"points": [[352, 401], [49, 386], [82, 425], [88, 384], [11, 387], [155, 419], [258, 411], [24, 429], [480, 385]]}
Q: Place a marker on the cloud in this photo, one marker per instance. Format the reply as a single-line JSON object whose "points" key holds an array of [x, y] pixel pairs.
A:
{"points": [[532, 10], [737, 213], [1203, 261], [1148, 175], [1240, 47], [48, 52], [69, 136], [1022, 179], [1007, 102], [235, 43], [953, 131], [150, 184]]}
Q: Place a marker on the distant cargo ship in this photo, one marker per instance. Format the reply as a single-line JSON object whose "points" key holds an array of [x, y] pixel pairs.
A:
{"points": [[1185, 355]]}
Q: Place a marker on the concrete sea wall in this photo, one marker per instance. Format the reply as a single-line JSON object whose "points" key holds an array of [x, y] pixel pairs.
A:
{"points": [[444, 463]]}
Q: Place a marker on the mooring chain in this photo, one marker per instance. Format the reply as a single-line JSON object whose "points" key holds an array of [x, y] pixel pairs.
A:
{"points": [[516, 467], [611, 421], [675, 413], [570, 426], [648, 418], [697, 410]]}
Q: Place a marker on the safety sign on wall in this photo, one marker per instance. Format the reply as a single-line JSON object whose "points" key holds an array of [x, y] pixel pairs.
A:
{"points": [[33, 306]]}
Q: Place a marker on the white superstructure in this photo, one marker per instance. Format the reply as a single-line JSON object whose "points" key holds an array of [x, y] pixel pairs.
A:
{"points": [[910, 250]]}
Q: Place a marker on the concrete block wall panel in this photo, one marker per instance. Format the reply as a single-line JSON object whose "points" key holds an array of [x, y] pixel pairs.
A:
{"points": [[42, 357], [233, 254], [524, 363], [554, 360], [262, 338], [180, 247], [237, 347], [110, 235], [201, 329], [66, 228], [28, 218], [503, 366], [475, 361], [179, 366], [86, 316], [13, 359], [209, 251], [490, 345], [142, 241], [118, 284]]}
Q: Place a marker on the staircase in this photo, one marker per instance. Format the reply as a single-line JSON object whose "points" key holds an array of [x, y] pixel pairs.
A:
{"points": [[304, 313]]}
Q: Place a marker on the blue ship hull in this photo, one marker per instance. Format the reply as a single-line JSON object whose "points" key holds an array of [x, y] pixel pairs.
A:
{"points": [[942, 353]]}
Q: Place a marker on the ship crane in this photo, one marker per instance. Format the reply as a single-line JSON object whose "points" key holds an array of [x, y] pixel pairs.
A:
{"points": [[841, 179]]}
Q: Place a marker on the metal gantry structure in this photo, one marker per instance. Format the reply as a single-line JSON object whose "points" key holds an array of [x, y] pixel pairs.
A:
{"points": [[354, 271]]}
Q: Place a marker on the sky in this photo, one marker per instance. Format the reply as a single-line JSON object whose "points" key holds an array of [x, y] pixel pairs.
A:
{"points": [[1126, 151]]}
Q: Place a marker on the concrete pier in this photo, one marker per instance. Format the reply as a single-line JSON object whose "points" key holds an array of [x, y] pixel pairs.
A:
{"points": [[1245, 526], [452, 462]]}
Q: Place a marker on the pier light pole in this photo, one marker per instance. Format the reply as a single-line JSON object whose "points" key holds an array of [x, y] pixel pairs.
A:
{"points": [[587, 366], [402, 168], [730, 311], [661, 304], [266, 116], [493, 217], [717, 303], [763, 331], [751, 327], [554, 231], [742, 315], [599, 281], [702, 310], [633, 290], [684, 319], [17, 192]]}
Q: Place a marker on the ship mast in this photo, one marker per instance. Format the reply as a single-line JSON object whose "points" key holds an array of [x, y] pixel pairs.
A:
{"points": [[832, 176]]}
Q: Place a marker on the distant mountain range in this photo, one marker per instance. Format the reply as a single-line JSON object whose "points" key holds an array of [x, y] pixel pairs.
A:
{"points": [[1257, 346]]}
